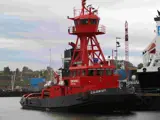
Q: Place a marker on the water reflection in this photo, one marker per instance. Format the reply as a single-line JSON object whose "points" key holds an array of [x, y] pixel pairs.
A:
{"points": [[71, 116], [10, 109]]}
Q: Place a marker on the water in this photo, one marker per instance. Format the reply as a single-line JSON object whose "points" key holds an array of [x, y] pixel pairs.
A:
{"points": [[10, 109]]}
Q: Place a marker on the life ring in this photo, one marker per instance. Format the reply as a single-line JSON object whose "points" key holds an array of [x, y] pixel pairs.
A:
{"points": [[147, 100]]}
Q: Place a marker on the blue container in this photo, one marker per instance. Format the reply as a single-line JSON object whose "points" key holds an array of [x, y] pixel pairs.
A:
{"points": [[122, 74], [35, 81]]}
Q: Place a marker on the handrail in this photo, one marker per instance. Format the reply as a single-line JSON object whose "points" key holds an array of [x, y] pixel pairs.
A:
{"points": [[102, 28], [71, 29], [32, 94], [77, 12]]}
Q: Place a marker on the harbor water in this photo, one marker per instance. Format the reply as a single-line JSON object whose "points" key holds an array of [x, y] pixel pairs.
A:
{"points": [[10, 109]]}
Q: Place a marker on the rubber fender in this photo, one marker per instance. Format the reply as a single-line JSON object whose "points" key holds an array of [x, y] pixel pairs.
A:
{"points": [[147, 100], [139, 100]]}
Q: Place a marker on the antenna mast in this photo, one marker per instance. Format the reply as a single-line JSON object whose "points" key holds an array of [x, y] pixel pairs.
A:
{"points": [[126, 48], [50, 66]]}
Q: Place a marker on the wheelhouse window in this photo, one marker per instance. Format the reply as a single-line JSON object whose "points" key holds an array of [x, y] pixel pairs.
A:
{"points": [[76, 22], [99, 72], [93, 21], [90, 72], [74, 73], [108, 72], [78, 72], [84, 21], [83, 72]]}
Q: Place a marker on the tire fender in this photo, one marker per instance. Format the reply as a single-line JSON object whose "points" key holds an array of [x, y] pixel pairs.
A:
{"points": [[147, 100]]}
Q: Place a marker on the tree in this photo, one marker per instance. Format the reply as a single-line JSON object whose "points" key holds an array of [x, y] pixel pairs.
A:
{"points": [[45, 74], [42, 73], [25, 69], [119, 66], [29, 70], [36, 73], [49, 69], [140, 66], [17, 71], [6, 71]]}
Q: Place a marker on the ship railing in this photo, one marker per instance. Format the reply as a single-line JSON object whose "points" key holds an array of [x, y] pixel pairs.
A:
{"points": [[89, 47], [33, 95], [147, 90], [71, 29], [77, 12], [102, 28]]}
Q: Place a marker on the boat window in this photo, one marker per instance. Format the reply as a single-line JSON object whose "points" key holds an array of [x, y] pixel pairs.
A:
{"points": [[84, 21], [108, 71], [93, 21], [78, 72], [71, 74], [74, 73], [99, 72], [90, 72], [76, 22], [83, 72]]}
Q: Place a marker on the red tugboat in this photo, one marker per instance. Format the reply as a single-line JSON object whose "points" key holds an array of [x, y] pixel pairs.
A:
{"points": [[88, 81]]}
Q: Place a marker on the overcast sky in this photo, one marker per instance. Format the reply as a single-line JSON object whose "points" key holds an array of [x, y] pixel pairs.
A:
{"points": [[29, 28]]}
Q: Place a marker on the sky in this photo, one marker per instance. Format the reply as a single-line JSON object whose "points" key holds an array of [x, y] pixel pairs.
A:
{"points": [[29, 28]]}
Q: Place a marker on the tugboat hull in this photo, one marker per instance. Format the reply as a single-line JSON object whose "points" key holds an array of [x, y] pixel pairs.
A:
{"points": [[89, 102]]}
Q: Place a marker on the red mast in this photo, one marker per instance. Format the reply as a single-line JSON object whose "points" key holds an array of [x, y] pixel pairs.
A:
{"points": [[126, 48], [87, 50]]}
